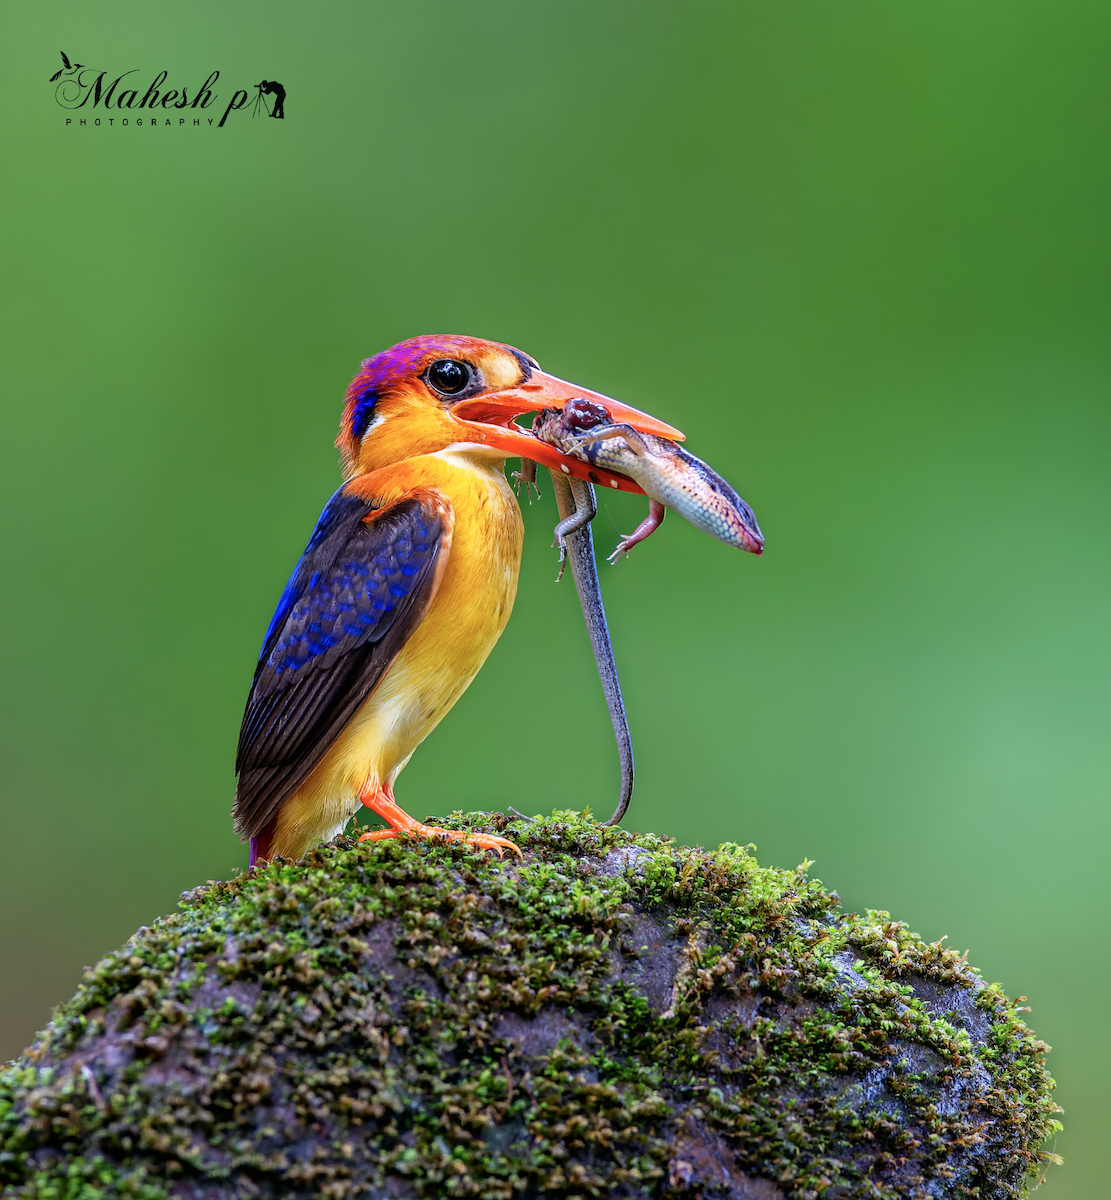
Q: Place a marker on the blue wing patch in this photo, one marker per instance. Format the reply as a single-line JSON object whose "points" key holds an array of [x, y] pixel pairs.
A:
{"points": [[365, 580], [350, 601], [337, 512]]}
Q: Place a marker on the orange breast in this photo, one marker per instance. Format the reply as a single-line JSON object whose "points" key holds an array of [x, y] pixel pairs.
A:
{"points": [[444, 652]]}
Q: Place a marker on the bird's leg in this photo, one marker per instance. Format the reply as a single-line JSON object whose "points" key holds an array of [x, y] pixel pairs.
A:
{"points": [[580, 551], [652, 522], [380, 800], [526, 476], [586, 509]]}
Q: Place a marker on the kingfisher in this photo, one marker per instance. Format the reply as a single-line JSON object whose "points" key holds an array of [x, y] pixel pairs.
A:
{"points": [[405, 586]]}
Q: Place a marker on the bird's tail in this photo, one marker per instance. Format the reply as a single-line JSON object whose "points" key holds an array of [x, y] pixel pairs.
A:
{"points": [[262, 842]]}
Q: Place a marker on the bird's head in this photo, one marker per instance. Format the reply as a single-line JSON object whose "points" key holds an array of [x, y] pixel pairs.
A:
{"points": [[431, 392]]}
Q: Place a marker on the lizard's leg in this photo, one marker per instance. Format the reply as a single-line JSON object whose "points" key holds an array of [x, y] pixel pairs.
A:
{"points": [[646, 528], [586, 509], [526, 477], [605, 433]]}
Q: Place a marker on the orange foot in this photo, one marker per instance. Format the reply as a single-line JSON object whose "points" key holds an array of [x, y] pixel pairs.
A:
{"points": [[381, 801]]}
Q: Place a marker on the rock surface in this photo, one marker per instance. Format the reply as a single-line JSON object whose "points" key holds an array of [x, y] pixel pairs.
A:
{"points": [[615, 1015]]}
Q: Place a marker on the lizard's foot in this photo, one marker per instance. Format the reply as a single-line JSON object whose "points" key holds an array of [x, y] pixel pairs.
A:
{"points": [[646, 528], [520, 480], [526, 476]]}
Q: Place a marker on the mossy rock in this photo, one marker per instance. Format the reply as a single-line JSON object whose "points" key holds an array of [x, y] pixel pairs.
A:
{"points": [[615, 1015]]}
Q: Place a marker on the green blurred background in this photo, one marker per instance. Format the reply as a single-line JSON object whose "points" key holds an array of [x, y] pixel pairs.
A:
{"points": [[857, 251]]}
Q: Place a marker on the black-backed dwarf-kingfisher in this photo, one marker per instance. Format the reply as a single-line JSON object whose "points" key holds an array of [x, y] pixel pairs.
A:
{"points": [[404, 588]]}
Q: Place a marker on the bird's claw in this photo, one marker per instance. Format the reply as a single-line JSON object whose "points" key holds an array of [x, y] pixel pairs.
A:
{"points": [[487, 841], [482, 841]]}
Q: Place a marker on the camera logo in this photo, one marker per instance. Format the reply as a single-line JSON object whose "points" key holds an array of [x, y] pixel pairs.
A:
{"points": [[117, 102]]}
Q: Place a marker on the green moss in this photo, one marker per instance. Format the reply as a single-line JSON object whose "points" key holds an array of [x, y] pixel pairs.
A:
{"points": [[616, 1015]]}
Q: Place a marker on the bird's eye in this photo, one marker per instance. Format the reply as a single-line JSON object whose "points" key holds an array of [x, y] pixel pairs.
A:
{"points": [[449, 377]]}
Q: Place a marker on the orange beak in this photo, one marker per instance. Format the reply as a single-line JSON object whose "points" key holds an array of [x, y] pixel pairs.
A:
{"points": [[491, 417]]}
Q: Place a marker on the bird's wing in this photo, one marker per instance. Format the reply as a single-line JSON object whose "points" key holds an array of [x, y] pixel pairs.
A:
{"points": [[365, 580]]}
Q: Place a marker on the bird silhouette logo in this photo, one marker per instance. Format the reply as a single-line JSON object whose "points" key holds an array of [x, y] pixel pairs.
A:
{"points": [[67, 68]]}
